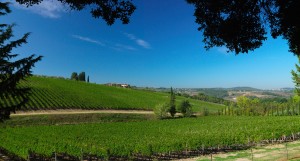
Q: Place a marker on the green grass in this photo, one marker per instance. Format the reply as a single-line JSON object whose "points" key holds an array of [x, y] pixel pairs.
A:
{"points": [[54, 93], [145, 137]]}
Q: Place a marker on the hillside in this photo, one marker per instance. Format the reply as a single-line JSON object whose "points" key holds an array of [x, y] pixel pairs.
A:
{"points": [[232, 93], [55, 93]]}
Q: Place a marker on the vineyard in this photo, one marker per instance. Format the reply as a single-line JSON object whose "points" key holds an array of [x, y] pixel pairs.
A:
{"points": [[146, 138], [55, 93], [82, 118]]}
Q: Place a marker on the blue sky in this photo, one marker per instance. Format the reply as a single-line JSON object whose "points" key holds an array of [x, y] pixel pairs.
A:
{"points": [[161, 47]]}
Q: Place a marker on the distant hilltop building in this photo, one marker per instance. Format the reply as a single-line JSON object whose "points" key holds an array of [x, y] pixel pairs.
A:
{"points": [[118, 85]]}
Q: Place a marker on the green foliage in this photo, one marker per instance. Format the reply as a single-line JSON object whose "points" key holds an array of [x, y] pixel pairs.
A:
{"points": [[264, 107], [12, 69], [243, 102], [296, 77], [250, 20], [172, 108], [147, 137], [186, 108], [213, 93], [207, 96], [74, 76], [58, 93], [205, 111], [161, 110], [81, 76], [275, 99]]}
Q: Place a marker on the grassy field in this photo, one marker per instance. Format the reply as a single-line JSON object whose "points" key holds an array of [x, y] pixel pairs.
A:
{"points": [[54, 93], [125, 139]]}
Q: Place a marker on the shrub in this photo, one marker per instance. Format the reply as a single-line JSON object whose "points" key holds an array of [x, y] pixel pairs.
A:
{"points": [[186, 108], [205, 111], [161, 110]]}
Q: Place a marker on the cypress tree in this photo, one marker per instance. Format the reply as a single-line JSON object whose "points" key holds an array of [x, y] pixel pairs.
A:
{"points": [[172, 109], [81, 76]]}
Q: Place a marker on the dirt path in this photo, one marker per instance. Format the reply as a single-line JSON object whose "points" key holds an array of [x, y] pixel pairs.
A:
{"points": [[57, 112], [277, 152]]}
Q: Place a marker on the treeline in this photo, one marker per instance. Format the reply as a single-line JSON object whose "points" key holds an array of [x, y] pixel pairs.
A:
{"points": [[219, 93], [207, 98], [253, 106], [263, 107], [80, 77]]}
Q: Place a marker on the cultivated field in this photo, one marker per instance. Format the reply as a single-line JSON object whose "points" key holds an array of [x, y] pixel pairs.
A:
{"points": [[54, 93], [152, 138], [83, 120]]}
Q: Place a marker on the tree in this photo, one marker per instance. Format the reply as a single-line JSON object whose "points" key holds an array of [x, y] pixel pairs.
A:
{"points": [[81, 76], [296, 77], [88, 79], [244, 105], [161, 111], [243, 102], [108, 10], [186, 108], [172, 109], [12, 71], [74, 76], [296, 80], [241, 25], [296, 102]]}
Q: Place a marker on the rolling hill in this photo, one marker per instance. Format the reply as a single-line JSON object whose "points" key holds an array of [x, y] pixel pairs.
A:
{"points": [[57, 93]]}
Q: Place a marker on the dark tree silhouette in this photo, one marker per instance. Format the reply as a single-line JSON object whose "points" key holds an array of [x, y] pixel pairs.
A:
{"points": [[74, 76], [81, 76], [11, 69], [172, 109], [241, 25], [108, 10], [186, 108]]}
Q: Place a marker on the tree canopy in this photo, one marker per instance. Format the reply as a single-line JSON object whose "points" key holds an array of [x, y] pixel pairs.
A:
{"points": [[108, 10], [242, 25]]}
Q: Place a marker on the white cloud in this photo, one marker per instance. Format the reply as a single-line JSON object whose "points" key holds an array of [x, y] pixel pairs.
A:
{"points": [[138, 41], [88, 40], [130, 36], [121, 46], [111, 45], [47, 8], [143, 43]]}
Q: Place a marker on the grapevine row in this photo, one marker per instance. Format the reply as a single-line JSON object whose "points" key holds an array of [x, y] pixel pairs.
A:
{"points": [[146, 138]]}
